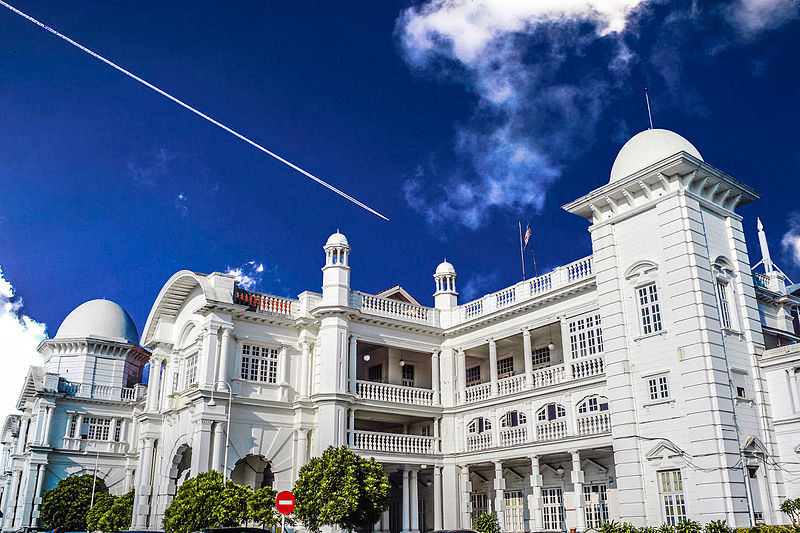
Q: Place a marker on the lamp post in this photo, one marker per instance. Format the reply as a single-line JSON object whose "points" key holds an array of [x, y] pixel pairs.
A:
{"points": [[94, 478], [212, 403]]}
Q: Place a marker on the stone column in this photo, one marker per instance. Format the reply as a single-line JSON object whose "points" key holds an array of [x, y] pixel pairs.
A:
{"points": [[38, 493], [70, 416], [466, 498], [201, 446], [493, 365], [495, 418], [208, 358], [219, 448], [577, 483], [141, 499], [154, 382], [351, 434], [414, 500], [500, 494], [406, 515], [385, 527], [128, 480], [353, 362], [27, 495], [79, 427], [23, 435], [437, 497], [48, 418], [438, 443], [535, 518], [462, 376], [527, 354], [302, 448], [224, 359], [435, 379], [283, 365], [304, 367]]}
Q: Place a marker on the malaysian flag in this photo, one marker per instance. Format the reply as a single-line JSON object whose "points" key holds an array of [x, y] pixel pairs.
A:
{"points": [[527, 236]]}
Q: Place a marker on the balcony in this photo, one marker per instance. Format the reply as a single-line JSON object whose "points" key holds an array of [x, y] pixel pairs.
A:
{"points": [[102, 392], [395, 309], [385, 392], [542, 431], [399, 443], [264, 303]]}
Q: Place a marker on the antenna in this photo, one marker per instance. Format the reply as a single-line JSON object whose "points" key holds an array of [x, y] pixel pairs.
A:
{"points": [[650, 116]]}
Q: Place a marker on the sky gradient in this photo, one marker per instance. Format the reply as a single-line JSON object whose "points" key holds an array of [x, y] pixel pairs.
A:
{"points": [[454, 118]]}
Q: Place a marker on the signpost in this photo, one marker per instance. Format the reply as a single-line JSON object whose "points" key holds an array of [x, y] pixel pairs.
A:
{"points": [[284, 503]]}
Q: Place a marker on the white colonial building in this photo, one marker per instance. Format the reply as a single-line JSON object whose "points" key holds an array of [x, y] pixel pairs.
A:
{"points": [[653, 380]]}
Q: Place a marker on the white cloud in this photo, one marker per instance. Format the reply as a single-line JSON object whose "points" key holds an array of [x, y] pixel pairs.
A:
{"points": [[478, 285], [180, 205], [248, 275], [751, 17], [155, 167], [791, 239], [20, 335]]}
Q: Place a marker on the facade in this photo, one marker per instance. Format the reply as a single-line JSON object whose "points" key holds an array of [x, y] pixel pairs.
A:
{"points": [[656, 379]]}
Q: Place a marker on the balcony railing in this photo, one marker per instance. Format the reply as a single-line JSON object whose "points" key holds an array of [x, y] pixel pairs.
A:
{"points": [[553, 430], [390, 308], [264, 303], [760, 280], [479, 441], [511, 385], [394, 443], [562, 276], [102, 392], [513, 436], [477, 393], [593, 424], [385, 392], [586, 425]]}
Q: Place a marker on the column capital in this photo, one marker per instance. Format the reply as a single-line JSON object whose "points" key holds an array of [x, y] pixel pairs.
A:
{"points": [[226, 331], [460, 352], [526, 331], [498, 464], [435, 354], [491, 341]]}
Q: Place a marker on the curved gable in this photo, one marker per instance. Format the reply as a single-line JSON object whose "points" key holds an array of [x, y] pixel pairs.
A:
{"points": [[172, 297]]}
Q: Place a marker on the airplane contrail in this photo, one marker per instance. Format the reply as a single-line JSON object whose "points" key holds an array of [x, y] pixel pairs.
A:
{"points": [[192, 109]]}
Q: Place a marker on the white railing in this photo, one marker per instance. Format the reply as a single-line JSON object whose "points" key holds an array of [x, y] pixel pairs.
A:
{"points": [[102, 392], [384, 392], [514, 436], [556, 429], [550, 375], [584, 368], [511, 385], [560, 277], [760, 280], [394, 442], [264, 303], [593, 424], [477, 393], [390, 308], [479, 441]]}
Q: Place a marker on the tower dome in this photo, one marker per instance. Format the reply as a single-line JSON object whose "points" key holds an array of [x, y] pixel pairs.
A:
{"points": [[337, 239], [646, 148], [445, 268], [99, 318]]}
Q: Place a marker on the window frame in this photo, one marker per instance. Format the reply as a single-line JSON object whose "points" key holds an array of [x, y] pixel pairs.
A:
{"points": [[408, 375], [262, 363], [585, 335], [543, 413], [648, 302], [477, 371], [507, 361], [673, 501], [658, 387]]}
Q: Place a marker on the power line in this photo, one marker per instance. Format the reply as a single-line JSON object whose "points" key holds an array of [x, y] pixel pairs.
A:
{"points": [[192, 109]]}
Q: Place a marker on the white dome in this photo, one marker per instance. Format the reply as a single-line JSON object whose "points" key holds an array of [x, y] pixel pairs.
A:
{"points": [[445, 268], [646, 148], [337, 239], [99, 318]]}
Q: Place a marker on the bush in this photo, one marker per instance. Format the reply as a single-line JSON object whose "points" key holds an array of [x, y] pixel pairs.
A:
{"points": [[232, 507], [261, 507], [609, 527], [102, 503], [688, 526], [486, 523], [118, 516], [791, 507], [666, 528], [192, 509], [717, 526], [66, 506]]}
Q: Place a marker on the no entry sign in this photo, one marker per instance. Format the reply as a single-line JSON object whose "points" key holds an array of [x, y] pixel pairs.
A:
{"points": [[284, 503]]}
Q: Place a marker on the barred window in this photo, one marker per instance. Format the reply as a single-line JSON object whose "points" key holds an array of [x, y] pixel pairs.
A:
{"points": [[117, 430], [722, 301], [408, 375], [479, 425], [541, 357], [73, 422], [473, 375], [658, 387], [670, 487], [513, 419], [191, 370], [649, 309], [551, 411], [505, 367], [585, 336], [259, 363], [98, 428]]}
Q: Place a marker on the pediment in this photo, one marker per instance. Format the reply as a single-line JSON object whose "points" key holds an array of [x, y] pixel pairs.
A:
{"points": [[663, 450], [753, 445], [398, 293]]}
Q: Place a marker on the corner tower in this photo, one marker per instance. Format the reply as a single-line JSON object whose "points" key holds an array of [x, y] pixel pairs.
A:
{"points": [[336, 272], [445, 296]]}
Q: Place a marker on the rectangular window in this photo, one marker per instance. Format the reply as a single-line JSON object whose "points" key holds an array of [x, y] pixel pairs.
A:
{"points": [[408, 375], [175, 378], [73, 422], [670, 487], [722, 301], [375, 373], [259, 363], [585, 336], [117, 430], [98, 428], [553, 509], [541, 357], [596, 510], [658, 387], [473, 375], [741, 392], [480, 504], [505, 367], [649, 309], [191, 370]]}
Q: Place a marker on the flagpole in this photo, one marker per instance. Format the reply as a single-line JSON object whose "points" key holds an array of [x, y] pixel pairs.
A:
{"points": [[535, 271], [521, 254]]}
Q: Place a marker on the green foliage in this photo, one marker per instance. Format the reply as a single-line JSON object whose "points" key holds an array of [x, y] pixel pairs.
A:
{"points": [[688, 526], [261, 507], [118, 516], [102, 503], [648, 529], [192, 509], [791, 507], [628, 528], [717, 526], [340, 488], [231, 510], [609, 527], [666, 528], [66, 505], [486, 523]]}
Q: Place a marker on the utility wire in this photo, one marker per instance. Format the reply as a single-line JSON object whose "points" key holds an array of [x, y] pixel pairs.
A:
{"points": [[192, 109]]}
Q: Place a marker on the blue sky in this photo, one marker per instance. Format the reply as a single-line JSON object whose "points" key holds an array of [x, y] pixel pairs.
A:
{"points": [[455, 118]]}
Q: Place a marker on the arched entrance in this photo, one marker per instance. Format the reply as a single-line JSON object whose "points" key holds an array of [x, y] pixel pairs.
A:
{"points": [[180, 469], [253, 470]]}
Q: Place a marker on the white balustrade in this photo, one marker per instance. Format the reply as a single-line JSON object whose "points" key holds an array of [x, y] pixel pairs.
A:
{"points": [[384, 392], [479, 441], [514, 436], [550, 375], [541, 284], [595, 423], [506, 297], [553, 430], [392, 308], [511, 385], [584, 368], [102, 392], [473, 309], [394, 442], [579, 270], [264, 303], [477, 393]]}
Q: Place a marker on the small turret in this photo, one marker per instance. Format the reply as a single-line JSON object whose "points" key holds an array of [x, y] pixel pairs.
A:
{"points": [[445, 296], [336, 272], [776, 279]]}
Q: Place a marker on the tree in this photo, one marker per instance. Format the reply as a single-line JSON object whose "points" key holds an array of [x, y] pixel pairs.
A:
{"points": [[487, 523], [792, 508], [66, 506], [118, 516], [232, 507], [192, 509], [261, 507], [102, 503], [340, 488]]}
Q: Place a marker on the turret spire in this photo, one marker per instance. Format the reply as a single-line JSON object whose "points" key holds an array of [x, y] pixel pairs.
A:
{"points": [[762, 241]]}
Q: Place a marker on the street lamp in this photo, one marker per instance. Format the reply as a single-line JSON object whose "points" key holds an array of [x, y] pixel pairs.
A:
{"points": [[212, 403], [94, 479]]}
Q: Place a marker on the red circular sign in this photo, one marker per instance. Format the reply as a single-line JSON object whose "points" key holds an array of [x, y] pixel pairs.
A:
{"points": [[284, 503]]}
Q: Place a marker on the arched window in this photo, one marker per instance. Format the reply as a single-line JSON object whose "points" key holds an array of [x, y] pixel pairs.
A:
{"points": [[592, 404], [479, 425], [551, 411], [723, 288], [513, 419]]}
